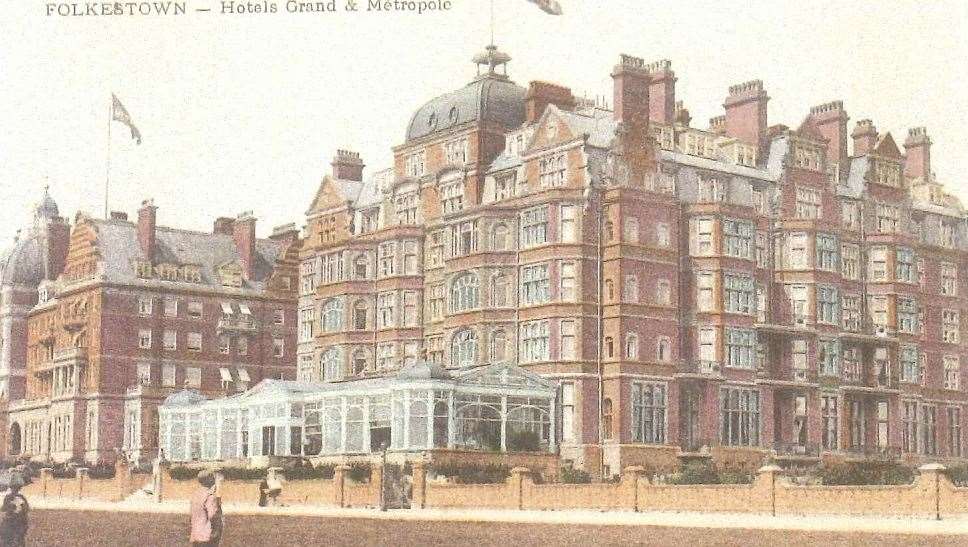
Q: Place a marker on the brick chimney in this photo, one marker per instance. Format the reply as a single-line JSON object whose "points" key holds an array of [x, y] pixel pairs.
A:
{"points": [[147, 221], [285, 234], [243, 232], [717, 125], [631, 91], [746, 112], [865, 137], [662, 92], [917, 160], [830, 119], [347, 165], [541, 94], [224, 226], [58, 242]]}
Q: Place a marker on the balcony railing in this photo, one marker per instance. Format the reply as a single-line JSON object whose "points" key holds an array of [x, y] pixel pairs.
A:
{"points": [[70, 354], [239, 322]]}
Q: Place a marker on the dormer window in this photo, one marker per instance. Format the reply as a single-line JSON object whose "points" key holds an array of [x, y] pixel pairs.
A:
{"points": [[553, 171], [452, 196], [504, 186], [744, 154], [369, 220], [887, 173], [808, 157], [455, 151], [406, 205], [415, 164]]}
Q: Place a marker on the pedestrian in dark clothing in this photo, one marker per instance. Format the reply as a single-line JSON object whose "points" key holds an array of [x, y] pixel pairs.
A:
{"points": [[13, 526]]}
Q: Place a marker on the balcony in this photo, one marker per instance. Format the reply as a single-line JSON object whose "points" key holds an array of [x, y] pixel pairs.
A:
{"points": [[237, 323], [63, 358]]}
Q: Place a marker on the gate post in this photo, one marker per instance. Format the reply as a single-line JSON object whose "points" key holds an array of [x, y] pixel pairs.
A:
{"points": [[419, 495], [339, 484]]}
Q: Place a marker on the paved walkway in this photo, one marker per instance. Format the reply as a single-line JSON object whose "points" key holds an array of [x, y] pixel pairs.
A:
{"points": [[885, 525]]}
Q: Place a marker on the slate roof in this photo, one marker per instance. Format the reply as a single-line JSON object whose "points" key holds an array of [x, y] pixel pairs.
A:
{"points": [[119, 249], [488, 98]]}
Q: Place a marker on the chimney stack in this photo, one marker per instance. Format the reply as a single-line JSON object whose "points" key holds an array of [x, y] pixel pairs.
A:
{"points": [[662, 92], [746, 112], [147, 220], [285, 234], [631, 91], [119, 215], [917, 160], [865, 137], [224, 226], [347, 165], [243, 232], [717, 125], [830, 119], [541, 94]]}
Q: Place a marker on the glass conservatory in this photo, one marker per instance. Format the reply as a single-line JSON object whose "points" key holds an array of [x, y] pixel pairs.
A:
{"points": [[497, 408]]}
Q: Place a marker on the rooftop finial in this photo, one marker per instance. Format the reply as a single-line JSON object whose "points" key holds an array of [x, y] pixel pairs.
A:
{"points": [[492, 57]]}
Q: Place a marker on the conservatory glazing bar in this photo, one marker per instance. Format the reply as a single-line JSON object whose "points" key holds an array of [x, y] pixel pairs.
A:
{"points": [[278, 418]]}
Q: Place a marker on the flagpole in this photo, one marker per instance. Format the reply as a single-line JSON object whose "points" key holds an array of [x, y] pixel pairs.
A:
{"points": [[492, 22], [107, 174]]}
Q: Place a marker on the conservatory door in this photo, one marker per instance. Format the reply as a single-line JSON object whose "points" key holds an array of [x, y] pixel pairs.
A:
{"points": [[269, 440]]}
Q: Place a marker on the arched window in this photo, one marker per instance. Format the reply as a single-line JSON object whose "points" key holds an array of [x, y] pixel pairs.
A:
{"points": [[329, 362], [331, 319], [499, 238], [361, 267], [609, 290], [663, 350], [499, 346], [463, 348], [464, 293], [631, 346], [359, 315], [499, 291], [663, 292], [360, 362]]}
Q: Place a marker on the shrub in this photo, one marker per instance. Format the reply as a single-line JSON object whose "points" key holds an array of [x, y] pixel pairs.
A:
{"points": [[958, 474], [472, 473], [524, 441], [695, 473], [359, 472], [182, 473], [569, 475], [306, 471], [241, 473], [735, 477], [865, 473], [101, 471]]}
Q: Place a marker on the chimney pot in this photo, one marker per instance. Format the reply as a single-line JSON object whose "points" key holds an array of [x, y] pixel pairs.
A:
{"points": [[746, 114], [119, 215], [631, 91], [224, 226], [662, 92], [917, 160], [865, 137], [830, 119], [347, 165]]}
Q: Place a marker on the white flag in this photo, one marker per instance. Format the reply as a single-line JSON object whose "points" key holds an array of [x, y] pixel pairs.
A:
{"points": [[548, 6]]}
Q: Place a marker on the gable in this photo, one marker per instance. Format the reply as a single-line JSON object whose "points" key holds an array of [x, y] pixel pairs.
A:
{"points": [[505, 374], [328, 196], [551, 130], [886, 147]]}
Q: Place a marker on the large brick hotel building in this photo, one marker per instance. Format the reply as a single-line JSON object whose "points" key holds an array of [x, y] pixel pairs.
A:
{"points": [[728, 291]]}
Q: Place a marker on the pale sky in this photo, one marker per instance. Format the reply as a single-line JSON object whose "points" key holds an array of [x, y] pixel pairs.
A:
{"points": [[244, 112]]}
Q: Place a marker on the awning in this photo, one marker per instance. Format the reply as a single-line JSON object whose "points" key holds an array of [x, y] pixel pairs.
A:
{"points": [[225, 374], [244, 309], [227, 308], [243, 375]]}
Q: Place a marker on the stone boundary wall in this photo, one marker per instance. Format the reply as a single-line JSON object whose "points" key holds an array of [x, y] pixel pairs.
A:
{"points": [[932, 495]]}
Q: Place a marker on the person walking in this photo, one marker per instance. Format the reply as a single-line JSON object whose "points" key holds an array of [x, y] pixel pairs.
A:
{"points": [[13, 526], [207, 522]]}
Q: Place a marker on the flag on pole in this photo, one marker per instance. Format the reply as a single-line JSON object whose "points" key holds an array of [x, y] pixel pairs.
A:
{"points": [[548, 6], [120, 114]]}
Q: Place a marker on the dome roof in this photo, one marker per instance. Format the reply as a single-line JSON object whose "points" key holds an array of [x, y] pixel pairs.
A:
{"points": [[185, 397], [23, 264], [423, 370], [491, 97], [47, 207]]}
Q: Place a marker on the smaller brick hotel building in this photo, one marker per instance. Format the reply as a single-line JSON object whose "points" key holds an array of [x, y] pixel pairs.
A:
{"points": [[731, 292], [140, 311]]}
